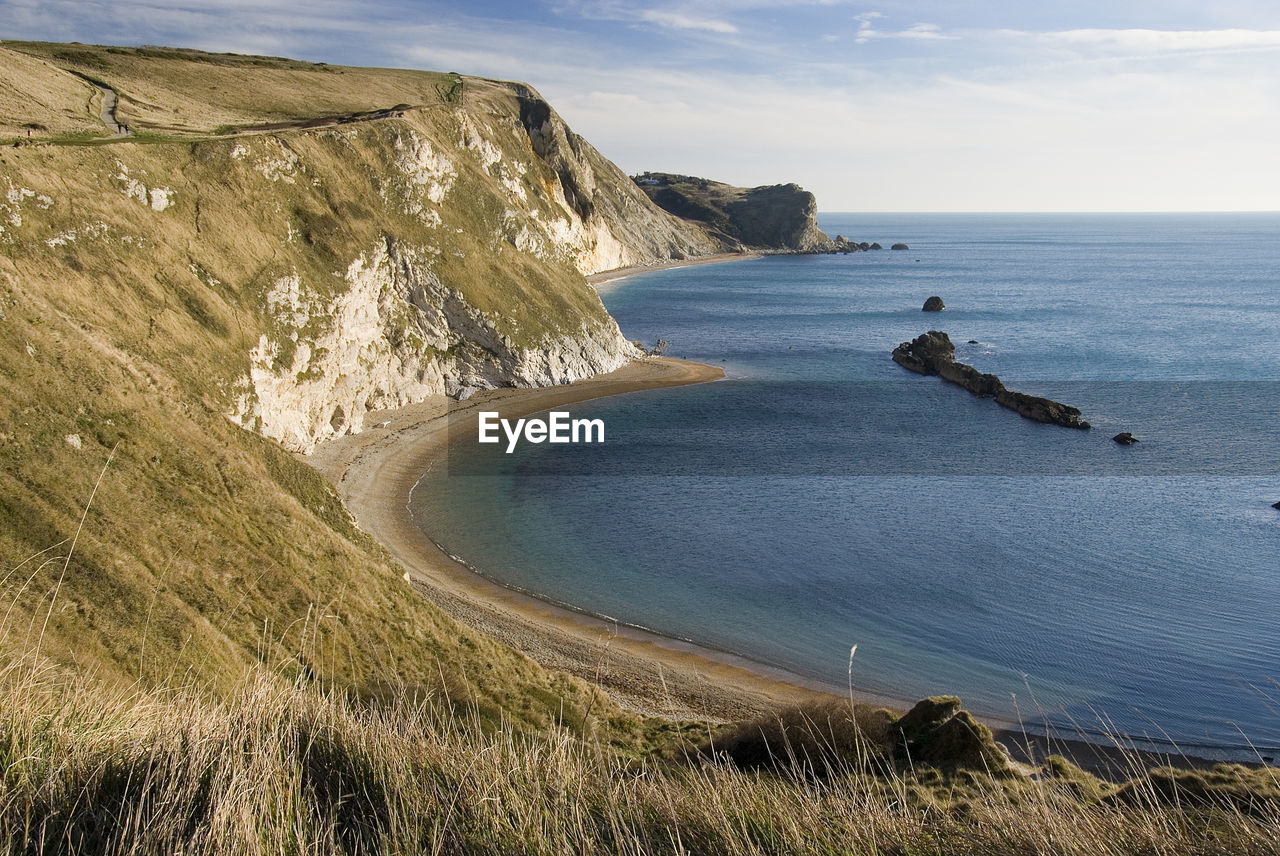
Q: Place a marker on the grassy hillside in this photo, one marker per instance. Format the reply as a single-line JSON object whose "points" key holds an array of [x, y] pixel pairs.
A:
{"points": [[135, 279], [279, 767], [192, 92]]}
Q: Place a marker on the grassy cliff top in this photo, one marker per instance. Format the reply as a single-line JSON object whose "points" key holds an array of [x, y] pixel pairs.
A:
{"points": [[771, 217], [47, 87]]}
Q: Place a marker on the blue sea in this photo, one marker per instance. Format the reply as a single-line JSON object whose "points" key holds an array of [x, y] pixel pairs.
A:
{"points": [[822, 497]]}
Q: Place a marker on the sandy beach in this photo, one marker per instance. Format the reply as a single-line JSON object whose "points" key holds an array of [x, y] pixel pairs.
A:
{"points": [[376, 470], [612, 276]]}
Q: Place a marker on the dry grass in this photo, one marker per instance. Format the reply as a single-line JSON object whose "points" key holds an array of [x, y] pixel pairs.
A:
{"points": [[187, 91], [283, 766], [37, 96]]}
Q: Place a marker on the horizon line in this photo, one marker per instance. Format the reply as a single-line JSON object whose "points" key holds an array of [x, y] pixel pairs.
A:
{"points": [[1055, 213]]}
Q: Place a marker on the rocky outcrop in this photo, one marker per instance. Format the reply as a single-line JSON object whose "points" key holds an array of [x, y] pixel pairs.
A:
{"points": [[932, 353], [779, 218], [934, 304], [899, 247], [828, 739], [774, 218], [1124, 438], [844, 246]]}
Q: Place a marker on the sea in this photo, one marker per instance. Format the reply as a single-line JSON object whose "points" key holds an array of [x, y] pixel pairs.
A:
{"points": [[821, 497]]}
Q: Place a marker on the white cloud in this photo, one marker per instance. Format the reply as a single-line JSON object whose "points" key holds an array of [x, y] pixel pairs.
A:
{"points": [[1169, 40], [920, 32], [678, 21]]}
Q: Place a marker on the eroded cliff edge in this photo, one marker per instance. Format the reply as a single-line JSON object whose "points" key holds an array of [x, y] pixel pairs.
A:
{"points": [[384, 237], [497, 209]]}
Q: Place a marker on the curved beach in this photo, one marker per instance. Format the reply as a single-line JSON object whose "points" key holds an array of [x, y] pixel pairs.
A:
{"points": [[376, 470]]}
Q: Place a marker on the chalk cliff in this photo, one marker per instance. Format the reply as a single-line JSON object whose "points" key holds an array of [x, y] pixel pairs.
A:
{"points": [[365, 258]]}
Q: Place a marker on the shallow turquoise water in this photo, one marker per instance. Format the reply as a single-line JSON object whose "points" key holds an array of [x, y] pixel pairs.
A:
{"points": [[823, 497]]}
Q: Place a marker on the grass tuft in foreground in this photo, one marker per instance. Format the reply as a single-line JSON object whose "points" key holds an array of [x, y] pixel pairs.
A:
{"points": [[289, 767]]}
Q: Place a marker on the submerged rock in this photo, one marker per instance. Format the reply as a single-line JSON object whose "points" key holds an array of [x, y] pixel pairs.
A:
{"points": [[1124, 438], [932, 353], [934, 304]]}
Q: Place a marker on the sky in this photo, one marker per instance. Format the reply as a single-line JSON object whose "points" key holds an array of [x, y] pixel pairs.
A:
{"points": [[901, 105]]}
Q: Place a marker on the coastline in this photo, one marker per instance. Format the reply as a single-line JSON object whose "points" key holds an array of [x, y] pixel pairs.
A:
{"points": [[612, 276], [646, 672], [375, 471], [643, 671]]}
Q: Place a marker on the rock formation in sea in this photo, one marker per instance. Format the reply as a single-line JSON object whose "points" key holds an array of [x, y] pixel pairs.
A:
{"points": [[932, 353], [1124, 438], [934, 304], [899, 247]]}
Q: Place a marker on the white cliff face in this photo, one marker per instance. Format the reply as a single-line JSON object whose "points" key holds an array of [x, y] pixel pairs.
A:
{"points": [[396, 336], [608, 223], [469, 201]]}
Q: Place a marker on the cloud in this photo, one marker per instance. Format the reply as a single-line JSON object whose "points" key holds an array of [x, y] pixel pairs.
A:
{"points": [[919, 32], [1162, 41], [679, 21], [697, 17]]}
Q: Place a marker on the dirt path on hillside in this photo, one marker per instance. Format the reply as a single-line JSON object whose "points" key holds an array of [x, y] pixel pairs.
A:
{"points": [[108, 110]]}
